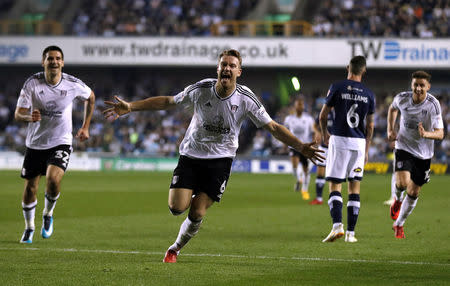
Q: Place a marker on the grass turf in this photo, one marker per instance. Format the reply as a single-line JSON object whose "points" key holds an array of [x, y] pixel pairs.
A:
{"points": [[112, 228]]}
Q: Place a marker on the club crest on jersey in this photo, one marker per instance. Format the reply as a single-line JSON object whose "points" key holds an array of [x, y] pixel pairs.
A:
{"points": [[424, 112], [51, 105], [63, 93], [234, 108], [357, 170]]}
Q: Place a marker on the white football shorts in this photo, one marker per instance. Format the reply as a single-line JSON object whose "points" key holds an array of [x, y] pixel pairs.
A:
{"points": [[343, 164], [325, 154]]}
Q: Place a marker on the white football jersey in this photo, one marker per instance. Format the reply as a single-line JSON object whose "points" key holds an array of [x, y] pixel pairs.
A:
{"points": [[55, 105], [428, 112], [216, 123], [301, 127]]}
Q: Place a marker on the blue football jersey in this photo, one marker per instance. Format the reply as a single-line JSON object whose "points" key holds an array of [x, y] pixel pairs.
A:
{"points": [[351, 101]]}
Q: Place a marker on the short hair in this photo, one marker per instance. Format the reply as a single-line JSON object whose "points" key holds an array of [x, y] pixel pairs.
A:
{"points": [[233, 53], [299, 97], [421, 74], [357, 65], [52, 48]]}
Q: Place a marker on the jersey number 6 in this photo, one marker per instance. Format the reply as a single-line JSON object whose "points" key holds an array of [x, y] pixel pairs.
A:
{"points": [[353, 117]]}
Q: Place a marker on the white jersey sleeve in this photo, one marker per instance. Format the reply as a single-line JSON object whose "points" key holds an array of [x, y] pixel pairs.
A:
{"points": [[255, 110], [25, 94], [188, 97], [436, 117], [83, 91]]}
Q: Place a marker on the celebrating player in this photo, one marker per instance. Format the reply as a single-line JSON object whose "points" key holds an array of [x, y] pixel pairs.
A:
{"points": [[302, 125], [45, 102], [420, 124], [211, 140], [348, 145]]}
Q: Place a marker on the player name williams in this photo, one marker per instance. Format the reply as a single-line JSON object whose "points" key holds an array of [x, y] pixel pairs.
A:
{"points": [[354, 97]]}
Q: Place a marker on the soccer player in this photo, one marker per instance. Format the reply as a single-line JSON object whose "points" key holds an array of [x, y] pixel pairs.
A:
{"points": [[302, 125], [348, 145], [321, 166], [209, 145], [420, 123], [45, 102]]}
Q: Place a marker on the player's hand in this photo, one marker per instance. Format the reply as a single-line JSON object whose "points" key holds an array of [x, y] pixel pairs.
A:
{"points": [[310, 150], [421, 130], [82, 134], [392, 135], [35, 115], [118, 108]]}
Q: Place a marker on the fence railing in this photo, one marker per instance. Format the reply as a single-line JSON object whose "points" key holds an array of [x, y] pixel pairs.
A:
{"points": [[262, 28], [30, 27]]}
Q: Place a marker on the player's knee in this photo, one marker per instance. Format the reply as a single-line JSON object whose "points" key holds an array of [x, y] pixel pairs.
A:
{"points": [[52, 186], [31, 189], [400, 185], [197, 214], [176, 211]]}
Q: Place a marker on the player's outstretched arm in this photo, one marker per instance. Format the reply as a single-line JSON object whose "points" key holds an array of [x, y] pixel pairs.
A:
{"points": [[284, 135], [120, 107], [89, 105]]}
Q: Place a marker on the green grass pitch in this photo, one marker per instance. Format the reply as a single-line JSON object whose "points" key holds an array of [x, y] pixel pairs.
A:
{"points": [[112, 228]]}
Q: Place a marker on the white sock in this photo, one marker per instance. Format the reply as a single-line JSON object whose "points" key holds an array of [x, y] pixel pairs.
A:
{"points": [[187, 230], [393, 188], [306, 179], [50, 203], [29, 211], [299, 174], [408, 206], [294, 172], [398, 194]]}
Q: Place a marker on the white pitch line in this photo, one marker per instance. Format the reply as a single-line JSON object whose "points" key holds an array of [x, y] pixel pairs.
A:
{"points": [[319, 259]]}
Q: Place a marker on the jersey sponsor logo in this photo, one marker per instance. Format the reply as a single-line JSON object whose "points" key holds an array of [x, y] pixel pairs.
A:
{"points": [[357, 170], [49, 110], [354, 88], [217, 126], [411, 124], [234, 108]]}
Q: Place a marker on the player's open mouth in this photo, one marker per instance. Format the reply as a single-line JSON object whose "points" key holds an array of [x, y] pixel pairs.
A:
{"points": [[225, 76]]}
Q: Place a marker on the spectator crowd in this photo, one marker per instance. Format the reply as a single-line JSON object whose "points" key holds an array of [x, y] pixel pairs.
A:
{"points": [[383, 18]]}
